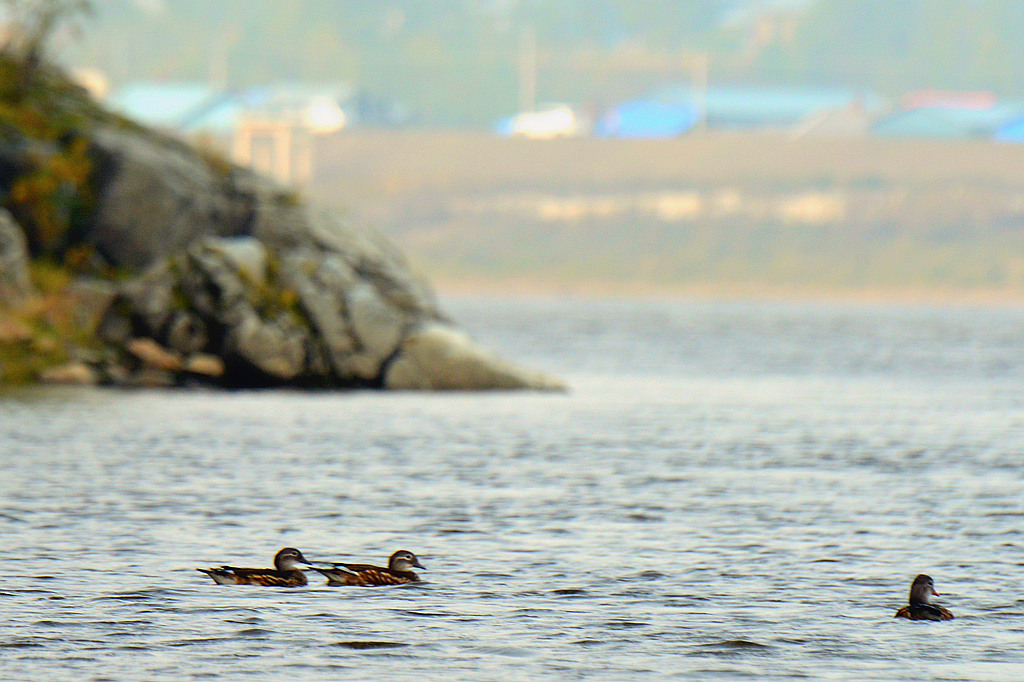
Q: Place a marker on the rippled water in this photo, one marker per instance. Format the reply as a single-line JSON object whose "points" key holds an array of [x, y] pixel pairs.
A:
{"points": [[729, 490]]}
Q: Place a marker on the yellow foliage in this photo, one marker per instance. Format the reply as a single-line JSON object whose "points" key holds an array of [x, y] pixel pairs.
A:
{"points": [[53, 192]]}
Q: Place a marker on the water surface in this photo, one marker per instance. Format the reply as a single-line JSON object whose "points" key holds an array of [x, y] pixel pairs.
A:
{"points": [[729, 490]]}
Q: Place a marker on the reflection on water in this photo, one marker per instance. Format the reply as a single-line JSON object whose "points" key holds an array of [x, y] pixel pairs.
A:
{"points": [[729, 489]]}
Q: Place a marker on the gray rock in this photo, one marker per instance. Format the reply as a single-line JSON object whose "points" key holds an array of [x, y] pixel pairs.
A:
{"points": [[15, 284], [303, 315], [186, 333], [245, 257], [150, 298], [92, 297], [115, 328], [276, 347], [439, 357], [377, 326], [163, 185], [319, 283]]}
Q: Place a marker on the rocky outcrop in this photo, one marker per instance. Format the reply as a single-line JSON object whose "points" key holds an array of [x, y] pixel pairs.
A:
{"points": [[438, 357], [302, 316], [233, 281], [270, 290]]}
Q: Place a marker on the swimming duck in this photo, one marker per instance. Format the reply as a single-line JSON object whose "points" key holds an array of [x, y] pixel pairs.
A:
{"points": [[398, 572], [284, 574], [921, 606]]}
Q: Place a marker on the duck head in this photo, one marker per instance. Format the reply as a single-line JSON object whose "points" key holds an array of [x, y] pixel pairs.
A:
{"points": [[404, 560], [922, 590], [288, 559]]}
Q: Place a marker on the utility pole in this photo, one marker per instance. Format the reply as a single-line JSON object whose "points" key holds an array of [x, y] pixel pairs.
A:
{"points": [[700, 86], [527, 69], [220, 53]]}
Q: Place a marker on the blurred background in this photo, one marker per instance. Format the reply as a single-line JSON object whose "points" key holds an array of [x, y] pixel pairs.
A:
{"points": [[722, 146], [774, 248]]}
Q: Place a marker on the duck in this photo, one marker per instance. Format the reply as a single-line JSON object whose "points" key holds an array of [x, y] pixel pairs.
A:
{"points": [[398, 572], [284, 574], [921, 606]]}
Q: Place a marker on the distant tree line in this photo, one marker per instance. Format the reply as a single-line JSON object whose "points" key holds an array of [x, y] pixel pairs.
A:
{"points": [[457, 61]]}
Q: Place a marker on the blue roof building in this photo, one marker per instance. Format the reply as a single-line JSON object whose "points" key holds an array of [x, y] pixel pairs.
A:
{"points": [[647, 118], [164, 105], [760, 107], [223, 115], [1011, 131], [949, 122], [200, 108]]}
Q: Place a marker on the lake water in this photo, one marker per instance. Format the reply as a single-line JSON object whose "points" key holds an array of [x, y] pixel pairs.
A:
{"points": [[729, 490]]}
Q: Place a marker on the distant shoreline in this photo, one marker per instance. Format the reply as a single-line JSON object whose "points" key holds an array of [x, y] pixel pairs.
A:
{"points": [[716, 215], [469, 288]]}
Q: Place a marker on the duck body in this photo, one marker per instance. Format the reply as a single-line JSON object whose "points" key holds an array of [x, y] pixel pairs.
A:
{"points": [[398, 572], [267, 577], [921, 606], [924, 612], [284, 574]]}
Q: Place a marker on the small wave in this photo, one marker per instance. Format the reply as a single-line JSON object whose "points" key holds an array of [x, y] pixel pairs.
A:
{"points": [[457, 531], [370, 644], [569, 592], [590, 642], [625, 624], [131, 596], [196, 640], [48, 623], [731, 646], [20, 643], [744, 644], [252, 632]]}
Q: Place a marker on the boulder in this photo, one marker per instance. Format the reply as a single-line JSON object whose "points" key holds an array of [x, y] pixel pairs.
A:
{"points": [[205, 365], [15, 284], [438, 357], [73, 373], [154, 355], [156, 196]]}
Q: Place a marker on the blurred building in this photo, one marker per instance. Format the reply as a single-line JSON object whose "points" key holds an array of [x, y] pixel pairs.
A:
{"points": [[950, 115], [272, 128], [168, 106], [647, 118], [278, 147], [1011, 131], [781, 108], [544, 123]]}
